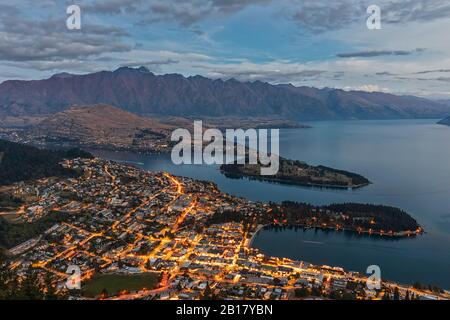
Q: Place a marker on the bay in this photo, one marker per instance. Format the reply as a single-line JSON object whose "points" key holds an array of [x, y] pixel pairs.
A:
{"points": [[408, 163]]}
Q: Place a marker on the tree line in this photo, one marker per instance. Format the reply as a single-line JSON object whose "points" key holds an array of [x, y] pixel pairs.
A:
{"points": [[20, 162]]}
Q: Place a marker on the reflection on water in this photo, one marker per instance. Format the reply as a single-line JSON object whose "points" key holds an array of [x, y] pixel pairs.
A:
{"points": [[404, 260]]}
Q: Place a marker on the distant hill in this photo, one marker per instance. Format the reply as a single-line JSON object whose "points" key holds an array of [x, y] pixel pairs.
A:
{"points": [[445, 121], [99, 125], [142, 92], [21, 162]]}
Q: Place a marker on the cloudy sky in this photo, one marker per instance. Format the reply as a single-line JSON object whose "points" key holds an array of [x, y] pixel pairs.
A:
{"points": [[317, 43]]}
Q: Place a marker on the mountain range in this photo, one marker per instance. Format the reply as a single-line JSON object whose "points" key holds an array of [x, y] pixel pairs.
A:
{"points": [[140, 91]]}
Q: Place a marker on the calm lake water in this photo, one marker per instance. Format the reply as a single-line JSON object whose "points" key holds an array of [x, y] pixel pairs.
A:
{"points": [[408, 162]]}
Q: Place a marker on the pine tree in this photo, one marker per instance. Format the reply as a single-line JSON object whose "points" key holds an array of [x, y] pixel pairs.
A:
{"points": [[386, 296], [5, 278], [30, 288], [207, 293], [104, 294], [50, 290], [396, 294]]}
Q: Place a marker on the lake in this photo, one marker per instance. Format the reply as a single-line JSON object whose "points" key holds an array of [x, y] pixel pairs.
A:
{"points": [[408, 163]]}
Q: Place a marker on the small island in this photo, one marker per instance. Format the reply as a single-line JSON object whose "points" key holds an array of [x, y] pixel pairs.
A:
{"points": [[299, 173]]}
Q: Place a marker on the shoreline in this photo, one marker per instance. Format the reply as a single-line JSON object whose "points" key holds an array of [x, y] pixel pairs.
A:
{"points": [[292, 183], [389, 235], [249, 242]]}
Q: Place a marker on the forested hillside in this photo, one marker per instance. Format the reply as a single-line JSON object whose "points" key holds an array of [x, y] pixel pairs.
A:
{"points": [[21, 162]]}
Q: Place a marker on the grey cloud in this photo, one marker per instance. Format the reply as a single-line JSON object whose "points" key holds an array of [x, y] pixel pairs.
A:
{"points": [[322, 16], [47, 42], [113, 7], [416, 10], [338, 75], [440, 79], [235, 5], [184, 12], [311, 15], [377, 53], [7, 10], [274, 76], [433, 71], [385, 73], [55, 47], [150, 63], [444, 79]]}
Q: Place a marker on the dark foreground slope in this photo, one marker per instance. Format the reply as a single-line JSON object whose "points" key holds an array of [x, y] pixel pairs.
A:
{"points": [[20, 162]]}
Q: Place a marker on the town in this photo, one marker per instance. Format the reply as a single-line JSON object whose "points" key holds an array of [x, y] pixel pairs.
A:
{"points": [[119, 219]]}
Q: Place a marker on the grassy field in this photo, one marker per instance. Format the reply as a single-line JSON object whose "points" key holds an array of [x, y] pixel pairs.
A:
{"points": [[115, 283]]}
